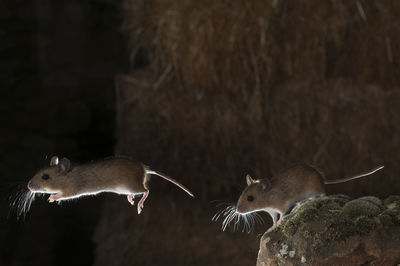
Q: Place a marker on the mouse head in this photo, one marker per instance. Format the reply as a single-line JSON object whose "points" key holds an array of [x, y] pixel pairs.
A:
{"points": [[251, 199], [50, 180]]}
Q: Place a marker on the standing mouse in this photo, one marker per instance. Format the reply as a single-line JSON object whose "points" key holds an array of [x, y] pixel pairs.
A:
{"points": [[120, 175], [278, 195]]}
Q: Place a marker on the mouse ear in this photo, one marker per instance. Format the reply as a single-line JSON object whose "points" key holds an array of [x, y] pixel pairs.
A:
{"points": [[64, 165], [250, 180], [265, 184], [54, 161]]}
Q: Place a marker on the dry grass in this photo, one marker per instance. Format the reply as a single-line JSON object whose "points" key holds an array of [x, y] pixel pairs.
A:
{"points": [[236, 87], [252, 86], [235, 46]]}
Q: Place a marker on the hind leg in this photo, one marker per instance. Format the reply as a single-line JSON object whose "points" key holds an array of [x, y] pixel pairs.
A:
{"points": [[140, 204], [131, 199]]}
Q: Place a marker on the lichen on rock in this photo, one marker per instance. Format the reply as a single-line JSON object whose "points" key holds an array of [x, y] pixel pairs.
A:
{"points": [[335, 230]]}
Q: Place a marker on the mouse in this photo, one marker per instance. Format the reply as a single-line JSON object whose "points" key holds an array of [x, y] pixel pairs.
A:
{"points": [[122, 175], [278, 195]]}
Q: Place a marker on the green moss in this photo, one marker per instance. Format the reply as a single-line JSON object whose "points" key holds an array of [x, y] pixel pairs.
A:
{"points": [[386, 220], [322, 209], [304, 214], [390, 217], [360, 207], [391, 212], [373, 200], [341, 228], [274, 229], [318, 224], [392, 199], [305, 204], [364, 225], [332, 225], [393, 205], [316, 244], [290, 227], [307, 214], [322, 202], [340, 199], [330, 206]]}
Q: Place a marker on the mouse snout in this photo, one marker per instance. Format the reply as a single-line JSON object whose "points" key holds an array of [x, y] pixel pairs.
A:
{"points": [[33, 187], [240, 209]]}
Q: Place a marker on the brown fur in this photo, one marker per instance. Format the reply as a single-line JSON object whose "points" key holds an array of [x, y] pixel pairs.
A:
{"points": [[120, 175], [283, 190], [103, 175]]}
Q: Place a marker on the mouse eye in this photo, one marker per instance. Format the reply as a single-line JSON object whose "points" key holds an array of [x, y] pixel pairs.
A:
{"points": [[250, 198], [45, 176]]}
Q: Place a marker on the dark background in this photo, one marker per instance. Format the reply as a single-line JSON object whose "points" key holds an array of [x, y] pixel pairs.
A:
{"points": [[205, 91], [58, 60]]}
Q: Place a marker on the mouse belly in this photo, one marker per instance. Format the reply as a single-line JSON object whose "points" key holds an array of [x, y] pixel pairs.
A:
{"points": [[67, 195], [119, 190]]}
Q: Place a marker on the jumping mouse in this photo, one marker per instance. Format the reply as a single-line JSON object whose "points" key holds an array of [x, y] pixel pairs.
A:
{"points": [[120, 175], [278, 195]]}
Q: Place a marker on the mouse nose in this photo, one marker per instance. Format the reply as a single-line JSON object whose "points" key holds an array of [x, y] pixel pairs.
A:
{"points": [[239, 209], [32, 187]]}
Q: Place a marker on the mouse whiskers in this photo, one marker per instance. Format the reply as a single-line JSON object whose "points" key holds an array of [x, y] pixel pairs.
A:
{"points": [[21, 202], [230, 215]]}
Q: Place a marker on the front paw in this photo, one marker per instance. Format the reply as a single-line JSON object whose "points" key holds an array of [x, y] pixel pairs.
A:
{"points": [[54, 197]]}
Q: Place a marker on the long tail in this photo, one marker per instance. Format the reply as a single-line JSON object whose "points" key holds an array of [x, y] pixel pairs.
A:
{"points": [[170, 179], [342, 180]]}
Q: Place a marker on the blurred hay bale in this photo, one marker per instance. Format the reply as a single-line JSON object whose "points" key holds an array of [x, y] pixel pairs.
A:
{"points": [[219, 89], [212, 142], [251, 86], [236, 46]]}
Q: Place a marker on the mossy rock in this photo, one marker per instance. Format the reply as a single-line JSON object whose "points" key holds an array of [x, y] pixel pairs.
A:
{"points": [[340, 199], [317, 230], [392, 201], [373, 200], [325, 208], [387, 220], [364, 225], [361, 207], [390, 217]]}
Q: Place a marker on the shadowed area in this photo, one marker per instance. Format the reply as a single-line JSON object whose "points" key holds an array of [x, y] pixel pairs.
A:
{"points": [[221, 89], [58, 61], [204, 91]]}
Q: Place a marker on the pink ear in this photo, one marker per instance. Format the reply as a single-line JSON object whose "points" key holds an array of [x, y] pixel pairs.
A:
{"points": [[54, 161], [249, 180], [65, 165]]}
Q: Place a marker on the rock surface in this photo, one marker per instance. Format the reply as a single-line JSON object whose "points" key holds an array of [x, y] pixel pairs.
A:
{"points": [[336, 230]]}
